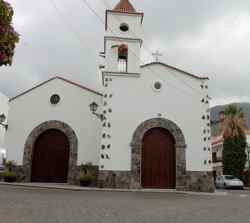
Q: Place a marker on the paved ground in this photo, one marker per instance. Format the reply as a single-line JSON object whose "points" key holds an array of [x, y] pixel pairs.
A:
{"points": [[23, 205]]}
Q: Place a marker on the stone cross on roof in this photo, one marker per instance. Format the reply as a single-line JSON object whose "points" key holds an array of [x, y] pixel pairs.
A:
{"points": [[157, 54]]}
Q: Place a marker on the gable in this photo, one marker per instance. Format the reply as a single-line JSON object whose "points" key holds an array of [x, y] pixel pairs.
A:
{"points": [[175, 69], [53, 79]]}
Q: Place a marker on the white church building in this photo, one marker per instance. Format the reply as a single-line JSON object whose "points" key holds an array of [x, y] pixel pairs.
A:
{"points": [[148, 128]]}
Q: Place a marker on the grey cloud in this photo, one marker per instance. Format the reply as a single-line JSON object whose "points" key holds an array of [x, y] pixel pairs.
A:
{"points": [[204, 37]]}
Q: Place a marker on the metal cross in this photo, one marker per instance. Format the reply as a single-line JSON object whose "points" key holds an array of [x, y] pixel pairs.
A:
{"points": [[157, 54]]}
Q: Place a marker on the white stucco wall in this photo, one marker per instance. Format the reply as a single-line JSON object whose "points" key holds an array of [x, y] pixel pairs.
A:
{"points": [[32, 109], [3, 110], [133, 58], [115, 19], [114, 36], [130, 100], [134, 101]]}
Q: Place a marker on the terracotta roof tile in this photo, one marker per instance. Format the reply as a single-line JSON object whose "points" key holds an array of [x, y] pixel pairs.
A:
{"points": [[124, 6]]}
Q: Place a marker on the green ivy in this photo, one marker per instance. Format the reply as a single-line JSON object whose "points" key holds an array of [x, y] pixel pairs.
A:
{"points": [[8, 36]]}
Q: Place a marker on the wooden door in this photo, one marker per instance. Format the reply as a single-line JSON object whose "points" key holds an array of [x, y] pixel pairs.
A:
{"points": [[50, 157], [158, 159]]}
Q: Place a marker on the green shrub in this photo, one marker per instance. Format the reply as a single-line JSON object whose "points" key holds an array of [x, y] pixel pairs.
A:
{"points": [[9, 176], [87, 168], [10, 165], [87, 174], [86, 179], [10, 173]]}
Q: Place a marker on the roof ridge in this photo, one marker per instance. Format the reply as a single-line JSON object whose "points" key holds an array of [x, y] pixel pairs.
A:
{"points": [[51, 79], [177, 69], [124, 6]]}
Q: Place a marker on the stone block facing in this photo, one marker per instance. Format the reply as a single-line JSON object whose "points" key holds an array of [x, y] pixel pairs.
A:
{"points": [[114, 179], [197, 181]]}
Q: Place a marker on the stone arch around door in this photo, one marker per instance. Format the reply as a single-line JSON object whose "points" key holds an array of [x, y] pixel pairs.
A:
{"points": [[136, 150], [30, 143]]}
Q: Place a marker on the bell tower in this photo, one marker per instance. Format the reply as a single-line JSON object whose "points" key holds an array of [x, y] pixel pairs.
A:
{"points": [[123, 38], [122, 46]]}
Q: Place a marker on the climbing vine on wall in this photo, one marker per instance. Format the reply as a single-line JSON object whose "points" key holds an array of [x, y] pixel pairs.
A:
{"points": [[8, 36]]}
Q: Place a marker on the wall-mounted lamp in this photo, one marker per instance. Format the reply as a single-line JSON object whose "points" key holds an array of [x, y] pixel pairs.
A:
{"points": [[93, 108], [2, 120]]}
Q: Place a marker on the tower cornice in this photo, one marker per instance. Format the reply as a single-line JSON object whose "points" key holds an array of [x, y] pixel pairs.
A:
{"points": [[120, 38], [124, 13]]}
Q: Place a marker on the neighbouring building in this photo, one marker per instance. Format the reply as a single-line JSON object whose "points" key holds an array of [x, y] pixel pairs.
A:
{"points": [[217, 153], [153, 130]]}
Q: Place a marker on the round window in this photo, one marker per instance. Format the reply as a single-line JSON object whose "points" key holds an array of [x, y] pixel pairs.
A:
{"points": [[54, 99], [124, 27], [157, 86]]}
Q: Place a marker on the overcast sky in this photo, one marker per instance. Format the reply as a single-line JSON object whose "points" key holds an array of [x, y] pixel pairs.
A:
{"points": [[63, 37]]}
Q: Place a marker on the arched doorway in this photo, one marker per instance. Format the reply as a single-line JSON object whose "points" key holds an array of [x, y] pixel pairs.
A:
{"points": [[50, 161], [137, 146], [29, 148], [158, 159]]}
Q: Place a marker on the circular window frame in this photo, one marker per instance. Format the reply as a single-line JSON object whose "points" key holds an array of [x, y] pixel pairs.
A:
{"points": [[124, 27], [55, 99], [154, 85]]}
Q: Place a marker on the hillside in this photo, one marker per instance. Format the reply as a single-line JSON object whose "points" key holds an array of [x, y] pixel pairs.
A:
{"points": [[215, 116]]}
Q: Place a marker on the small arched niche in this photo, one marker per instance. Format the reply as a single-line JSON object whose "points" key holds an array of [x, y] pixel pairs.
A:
{"points": [[123, 58]]}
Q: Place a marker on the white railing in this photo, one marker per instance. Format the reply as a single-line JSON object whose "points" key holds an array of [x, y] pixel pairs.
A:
{"points": [[122, 65]]}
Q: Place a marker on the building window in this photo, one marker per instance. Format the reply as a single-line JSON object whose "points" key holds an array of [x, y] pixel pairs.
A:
{"points": [[55, 99], [124, 27], [123, 58], [157, 85]]}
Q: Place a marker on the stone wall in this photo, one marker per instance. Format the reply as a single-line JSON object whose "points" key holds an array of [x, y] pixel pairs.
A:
{"points": [[197, 181], [114, 179], [191, 181]]}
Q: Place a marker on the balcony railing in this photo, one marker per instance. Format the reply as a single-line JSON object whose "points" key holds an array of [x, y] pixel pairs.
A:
{"points": [[123, 65]]}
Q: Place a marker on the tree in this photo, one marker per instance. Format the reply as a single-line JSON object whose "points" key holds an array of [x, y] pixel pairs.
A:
{"points": [[8, 36], [234, 146]]}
